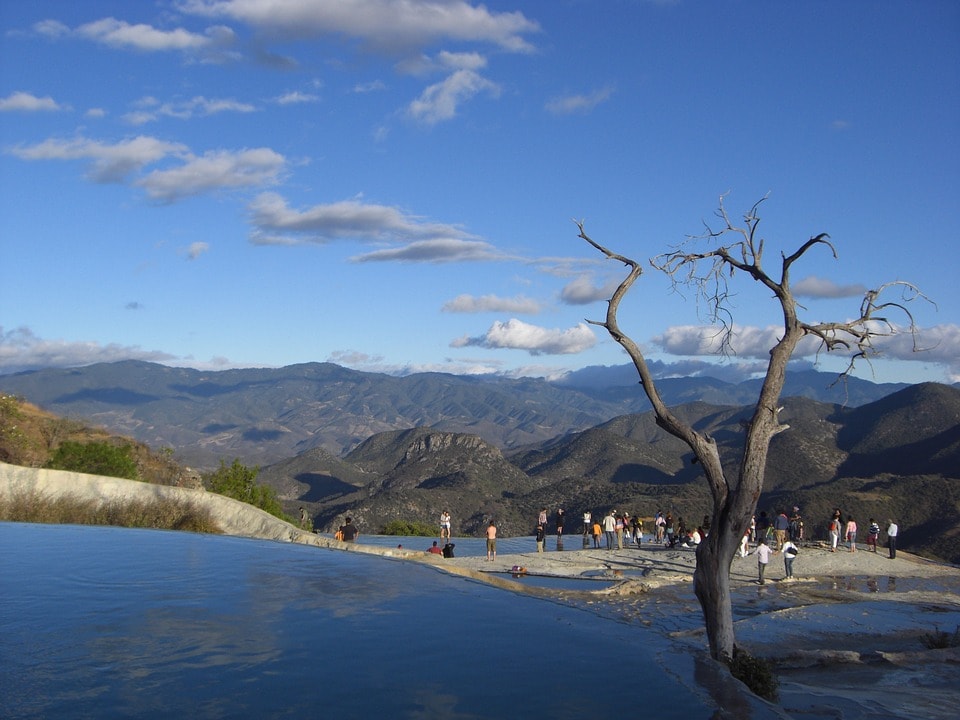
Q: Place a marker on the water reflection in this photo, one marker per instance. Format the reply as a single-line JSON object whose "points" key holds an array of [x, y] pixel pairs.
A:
{"points": [[104, 622]]}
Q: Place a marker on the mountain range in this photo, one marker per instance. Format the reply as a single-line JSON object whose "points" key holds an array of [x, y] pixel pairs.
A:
{"points": [[339, 442], [264, 415]]}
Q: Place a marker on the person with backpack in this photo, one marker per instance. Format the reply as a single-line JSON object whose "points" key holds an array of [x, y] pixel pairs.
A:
{"points": [[790, 552]]}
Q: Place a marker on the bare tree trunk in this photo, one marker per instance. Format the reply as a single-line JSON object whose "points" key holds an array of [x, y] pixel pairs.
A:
{"points": [[735, 502], [711, 583]]}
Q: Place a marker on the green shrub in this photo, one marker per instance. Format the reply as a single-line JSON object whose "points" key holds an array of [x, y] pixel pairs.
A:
{"points": [[756, 673], [237, 481], [95, 458], [409, 529]]}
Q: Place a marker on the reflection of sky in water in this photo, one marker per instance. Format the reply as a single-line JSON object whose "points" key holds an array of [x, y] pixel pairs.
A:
{"points": [[110, 622]]}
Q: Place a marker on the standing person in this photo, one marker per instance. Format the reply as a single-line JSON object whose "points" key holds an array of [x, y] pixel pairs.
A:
{"points": [[303, 518], [445, 525], [745, 543], [618, 529], [852, 533], [796, 525], [560, 517], [349, 531], [763, 552], [491, 541], [834, 530], [609, 526], [789, 555], [541, 538], [873, 532], [892, 531], [638, 529], [660, 525], [781, 524], [668, 528], [587, 523], [595, 531]]}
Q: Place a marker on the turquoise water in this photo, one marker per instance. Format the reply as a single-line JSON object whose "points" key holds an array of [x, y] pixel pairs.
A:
{"points": [[108, 622]]}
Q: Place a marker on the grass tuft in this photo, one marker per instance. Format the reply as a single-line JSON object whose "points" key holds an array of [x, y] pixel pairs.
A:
{"points": [[941, 640]]}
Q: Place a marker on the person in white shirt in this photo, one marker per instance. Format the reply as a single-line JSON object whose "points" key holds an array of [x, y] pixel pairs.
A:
{"points": [[763, 552], [892, 531]]}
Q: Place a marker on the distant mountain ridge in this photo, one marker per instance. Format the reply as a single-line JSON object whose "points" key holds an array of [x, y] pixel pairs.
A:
{"points": [[263, 415]]}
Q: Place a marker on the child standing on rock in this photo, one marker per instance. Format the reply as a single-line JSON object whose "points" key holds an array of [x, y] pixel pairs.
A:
{"points": [[763, 552]]}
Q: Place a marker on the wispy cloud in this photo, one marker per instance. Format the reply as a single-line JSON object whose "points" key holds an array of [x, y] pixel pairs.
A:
{"points": [[120, 34], [112, 162], [149, 109], [440, 250], [492, 303], [518, 335], [296, 98], [814, 287], [573, 104], [440, 101], [214, 171], [276, 223], [195, 250]]}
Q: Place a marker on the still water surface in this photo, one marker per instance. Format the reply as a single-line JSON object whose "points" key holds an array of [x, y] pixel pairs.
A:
{"points": [[108, 622]]}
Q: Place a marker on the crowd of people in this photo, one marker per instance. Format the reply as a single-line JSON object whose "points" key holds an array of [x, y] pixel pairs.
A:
{"points": [[785, 534], [781, 534]]}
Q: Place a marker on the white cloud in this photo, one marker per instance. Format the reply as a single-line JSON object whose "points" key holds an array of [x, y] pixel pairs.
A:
{"points": [[491, 303], [517, 335], [746, 341], [440, 101], [27, 102], [214, 171], [95, 113], [570, 104], [21, 350], [111, 162], [814, 287], [939, 344], [384, 25]]}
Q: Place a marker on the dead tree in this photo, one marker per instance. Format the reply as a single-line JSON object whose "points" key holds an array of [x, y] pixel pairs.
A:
{"points": [[709, 272]]}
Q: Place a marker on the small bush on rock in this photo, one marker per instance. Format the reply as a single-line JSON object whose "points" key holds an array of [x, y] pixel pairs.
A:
{"points": [[756, 673]]}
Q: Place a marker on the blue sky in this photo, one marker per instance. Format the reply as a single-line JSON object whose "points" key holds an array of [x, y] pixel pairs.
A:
{"points": [[392, 186]]}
